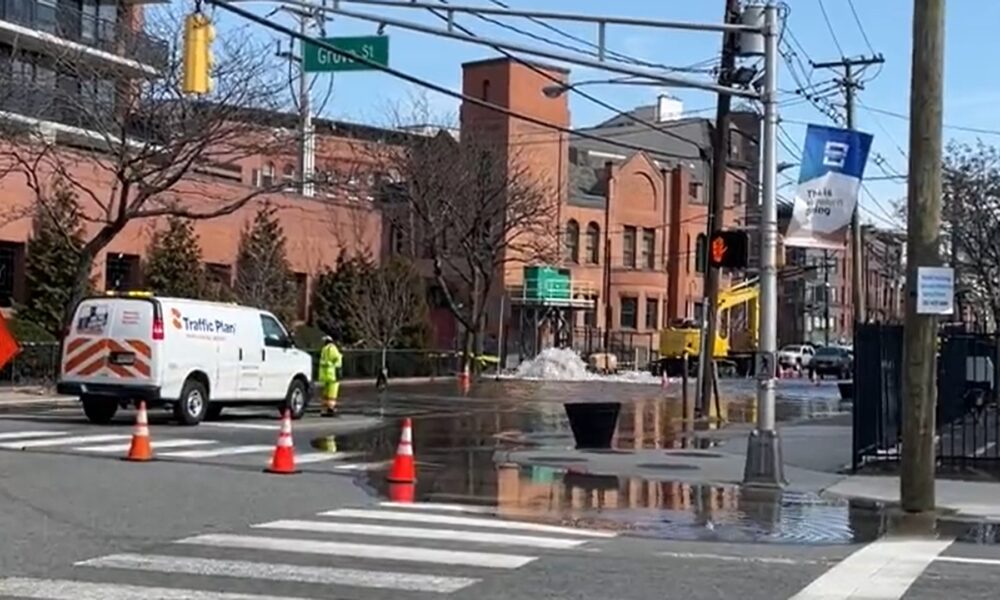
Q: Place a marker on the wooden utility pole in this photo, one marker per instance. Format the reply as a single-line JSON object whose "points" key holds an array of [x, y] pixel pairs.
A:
{"points": [[922, 232], [716, 211], [851, 84]]}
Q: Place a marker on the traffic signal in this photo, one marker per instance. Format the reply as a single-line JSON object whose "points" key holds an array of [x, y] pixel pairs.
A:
{"points": [[728, 249], [198, 37]]}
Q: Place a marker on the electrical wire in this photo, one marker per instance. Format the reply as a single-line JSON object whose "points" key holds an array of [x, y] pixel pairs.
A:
{"points": [[829, 26], [965, 128], [595, 50], [861, 28]]}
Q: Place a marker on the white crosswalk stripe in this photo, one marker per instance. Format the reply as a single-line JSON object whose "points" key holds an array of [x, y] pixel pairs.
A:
{"points": [[21, 435], [156, 444], [194, 566], [215, 452], [388, 580], [64, 441]]}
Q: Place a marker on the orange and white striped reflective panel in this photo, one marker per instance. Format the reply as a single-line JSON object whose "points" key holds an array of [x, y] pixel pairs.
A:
{"points": [[91, 356]]}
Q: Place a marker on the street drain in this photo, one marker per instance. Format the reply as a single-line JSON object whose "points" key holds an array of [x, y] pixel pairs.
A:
{"points": [[668, 467]]}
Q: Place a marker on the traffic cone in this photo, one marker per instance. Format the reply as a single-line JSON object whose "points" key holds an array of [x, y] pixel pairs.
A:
{"points": [[464, 380], [664, 381], [402, 493], [140, 449], [283, 459], [403, 468]]}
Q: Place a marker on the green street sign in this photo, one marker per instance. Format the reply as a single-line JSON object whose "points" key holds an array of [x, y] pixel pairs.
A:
{"points": [[374, 48]]}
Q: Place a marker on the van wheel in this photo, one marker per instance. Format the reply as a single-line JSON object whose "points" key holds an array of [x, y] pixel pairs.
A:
{"points": [[214, 412], [193, 404], [296, 399], [99, 411]]}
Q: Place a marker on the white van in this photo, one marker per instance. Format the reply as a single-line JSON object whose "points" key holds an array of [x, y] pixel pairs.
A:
{"points": [[189, 356]]}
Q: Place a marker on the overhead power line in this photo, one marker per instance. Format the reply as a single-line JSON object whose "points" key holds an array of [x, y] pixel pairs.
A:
{"points": [[861, 27], [966, 128], [829, 26]]}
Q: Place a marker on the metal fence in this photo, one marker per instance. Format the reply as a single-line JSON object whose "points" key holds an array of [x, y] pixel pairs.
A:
{"points": [[634, 350], [38, 364], [967, 417]]}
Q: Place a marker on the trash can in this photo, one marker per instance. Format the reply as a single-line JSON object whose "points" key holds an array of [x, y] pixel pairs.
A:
{"points": [[593, 423]]}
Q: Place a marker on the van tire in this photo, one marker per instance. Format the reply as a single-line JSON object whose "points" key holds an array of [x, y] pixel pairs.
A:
{"points": [[188, 410], [99, 411], [296, 400]]}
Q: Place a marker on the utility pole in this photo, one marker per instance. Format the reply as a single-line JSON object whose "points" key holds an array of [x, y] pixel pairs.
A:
{"points": [[851, 84], [922, 248], [716, 212], [608, 173], [307, 133]]}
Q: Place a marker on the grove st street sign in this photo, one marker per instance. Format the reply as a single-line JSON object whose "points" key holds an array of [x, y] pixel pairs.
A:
{"points": [[374, 48]]}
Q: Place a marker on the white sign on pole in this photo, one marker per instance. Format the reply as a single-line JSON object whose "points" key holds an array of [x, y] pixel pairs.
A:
{"points": [[935, 290]]}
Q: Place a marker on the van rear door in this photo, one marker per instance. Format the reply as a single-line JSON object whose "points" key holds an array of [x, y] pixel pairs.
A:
{"points": [[112, 341]]}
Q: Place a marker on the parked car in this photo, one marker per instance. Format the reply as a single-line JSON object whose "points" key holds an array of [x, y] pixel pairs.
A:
{"points": [[833, 360], [795, 356]]}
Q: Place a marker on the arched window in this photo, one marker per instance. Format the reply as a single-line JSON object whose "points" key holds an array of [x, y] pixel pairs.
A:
{"points": [[701, 253], [572, 242], [593, 243]]}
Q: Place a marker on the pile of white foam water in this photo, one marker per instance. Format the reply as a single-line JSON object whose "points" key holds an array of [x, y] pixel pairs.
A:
{"points": [[560, 364]]}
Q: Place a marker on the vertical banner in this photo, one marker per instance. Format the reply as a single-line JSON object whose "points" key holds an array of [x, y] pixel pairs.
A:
{"points": [[833, 164]]}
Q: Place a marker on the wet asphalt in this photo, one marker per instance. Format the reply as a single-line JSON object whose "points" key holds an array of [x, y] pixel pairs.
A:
{"points": [[671, 538]]}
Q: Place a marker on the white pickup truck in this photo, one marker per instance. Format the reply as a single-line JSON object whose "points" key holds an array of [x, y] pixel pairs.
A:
{"points": [[795, 356]]}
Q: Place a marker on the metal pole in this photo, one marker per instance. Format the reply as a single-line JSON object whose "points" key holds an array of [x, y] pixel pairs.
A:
{"points": [[607, 261], [826, 297], [307, 143], [500, 341], [764, 461]]}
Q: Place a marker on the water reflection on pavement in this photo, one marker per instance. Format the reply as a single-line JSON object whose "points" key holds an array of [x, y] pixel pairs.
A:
{"points": [[460, 439]]}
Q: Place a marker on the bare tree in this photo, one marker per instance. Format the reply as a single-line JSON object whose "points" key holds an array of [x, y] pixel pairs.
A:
{"points": [[971, 226], [391, 300], [473, 208], [131, 145]]}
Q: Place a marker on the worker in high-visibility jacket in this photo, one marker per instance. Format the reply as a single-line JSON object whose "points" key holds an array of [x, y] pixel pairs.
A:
{"points": [[330, 362]]}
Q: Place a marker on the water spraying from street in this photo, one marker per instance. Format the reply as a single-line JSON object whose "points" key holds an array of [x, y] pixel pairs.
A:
{"points": [[559, 364]]}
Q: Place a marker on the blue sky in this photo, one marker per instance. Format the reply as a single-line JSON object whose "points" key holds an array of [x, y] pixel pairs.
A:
{"points": [[972, 92]]}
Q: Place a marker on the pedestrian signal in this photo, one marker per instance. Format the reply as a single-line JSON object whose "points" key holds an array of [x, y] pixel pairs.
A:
{"points": [[728, 249]]}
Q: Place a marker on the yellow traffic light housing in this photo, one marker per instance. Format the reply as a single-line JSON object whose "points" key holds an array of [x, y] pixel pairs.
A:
{"points": [[198, 37]]}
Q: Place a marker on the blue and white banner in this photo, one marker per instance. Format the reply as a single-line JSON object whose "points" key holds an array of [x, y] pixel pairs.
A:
{"points": [[833, 165]]}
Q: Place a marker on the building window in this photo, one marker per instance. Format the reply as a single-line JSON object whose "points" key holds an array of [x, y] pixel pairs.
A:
{"points": [[267, 176], [395, 239], [572, 241], [694, 191], [288, 178], [652, 313], [628, 313], [628, 247], [687, 254], [11, 269], [121, 272], [737, 194], [649, 249], [486, 90], [593, 243], [590, 317], [700, 253]]}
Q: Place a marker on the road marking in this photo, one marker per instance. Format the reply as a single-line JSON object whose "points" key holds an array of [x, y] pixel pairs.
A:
{"points": [[481, 537], [969, 561], [157, 444], [20, 435], [882, 570], [363, 466], [64, 441], [418, 517], [211, 567], [401, 553], [460, 508], [774, 560], [258, 426], [213, 452], [61, 589]]}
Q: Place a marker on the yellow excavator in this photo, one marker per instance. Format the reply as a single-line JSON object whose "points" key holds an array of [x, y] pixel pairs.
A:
{"points": [[736, 344]]}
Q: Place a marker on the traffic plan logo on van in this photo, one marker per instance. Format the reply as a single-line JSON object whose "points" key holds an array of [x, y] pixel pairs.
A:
{"points": [[201, 324]]}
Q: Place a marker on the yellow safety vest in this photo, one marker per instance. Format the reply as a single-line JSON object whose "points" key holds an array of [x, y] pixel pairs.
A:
{"points": [[330, 359]]}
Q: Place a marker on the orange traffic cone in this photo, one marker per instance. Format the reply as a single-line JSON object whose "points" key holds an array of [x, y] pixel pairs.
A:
{"points": [[283, 459], [464, 380], [403, 468], [402, 493], [140, 449]]}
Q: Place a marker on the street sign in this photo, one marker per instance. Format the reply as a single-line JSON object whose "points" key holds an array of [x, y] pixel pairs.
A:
{"points": [[728, 249], [373, 47]]}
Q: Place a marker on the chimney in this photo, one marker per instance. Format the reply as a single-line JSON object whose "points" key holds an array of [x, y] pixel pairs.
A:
{"points": [[668, 108]]}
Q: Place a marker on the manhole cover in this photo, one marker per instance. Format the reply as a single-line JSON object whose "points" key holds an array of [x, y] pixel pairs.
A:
{"points": [[668, 467], [695, 454]]}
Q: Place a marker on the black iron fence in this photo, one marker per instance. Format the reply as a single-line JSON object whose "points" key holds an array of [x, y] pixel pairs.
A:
{"points": [[38, 364], [967, 417]]}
